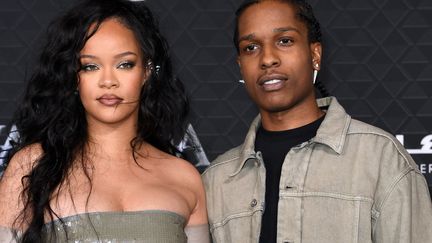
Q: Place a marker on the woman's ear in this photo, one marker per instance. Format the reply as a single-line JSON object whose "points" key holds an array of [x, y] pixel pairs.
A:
{"points": [[148, 69]]}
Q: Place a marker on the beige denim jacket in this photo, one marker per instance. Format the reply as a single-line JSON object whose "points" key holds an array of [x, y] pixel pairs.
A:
{"points": [[351, 183]]}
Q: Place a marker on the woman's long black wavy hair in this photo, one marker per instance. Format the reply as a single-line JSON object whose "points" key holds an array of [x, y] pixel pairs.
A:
{"points": [[52, 115]]}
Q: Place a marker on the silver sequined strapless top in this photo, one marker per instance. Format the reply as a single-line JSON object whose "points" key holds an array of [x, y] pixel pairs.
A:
{"points": [[153, 226]]}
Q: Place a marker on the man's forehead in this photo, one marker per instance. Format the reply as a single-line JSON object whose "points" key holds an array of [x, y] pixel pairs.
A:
{"points": [[278, 18]]}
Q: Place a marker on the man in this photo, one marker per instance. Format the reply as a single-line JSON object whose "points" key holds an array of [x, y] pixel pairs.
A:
{"points": [[307, 171]]}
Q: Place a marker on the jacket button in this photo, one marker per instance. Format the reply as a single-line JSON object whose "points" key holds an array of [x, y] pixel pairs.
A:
{"points": [[253, 202]]}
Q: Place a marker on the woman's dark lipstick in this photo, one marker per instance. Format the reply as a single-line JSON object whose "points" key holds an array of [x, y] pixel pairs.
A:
{"points": [[109, 100]]}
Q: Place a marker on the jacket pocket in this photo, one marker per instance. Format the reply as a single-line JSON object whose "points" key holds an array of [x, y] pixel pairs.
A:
{"points": [[238, 227], [330, 217]]}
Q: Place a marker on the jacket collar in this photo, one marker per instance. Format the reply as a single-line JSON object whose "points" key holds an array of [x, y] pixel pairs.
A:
{"points": [[332, 131], [334, 128]]}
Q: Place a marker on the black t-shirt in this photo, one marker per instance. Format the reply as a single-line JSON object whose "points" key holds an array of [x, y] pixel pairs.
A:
{"points": [[274, 146]]}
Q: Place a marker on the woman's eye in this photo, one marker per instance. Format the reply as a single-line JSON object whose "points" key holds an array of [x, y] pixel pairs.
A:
{"points": [[89, 67], [126, 65]]}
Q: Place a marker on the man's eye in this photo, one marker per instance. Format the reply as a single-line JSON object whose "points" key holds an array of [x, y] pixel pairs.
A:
{"points": [[286, 41], [126, 65], [250, 48], [89, 67]]}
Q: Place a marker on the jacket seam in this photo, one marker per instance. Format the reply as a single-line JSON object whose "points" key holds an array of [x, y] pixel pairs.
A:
{"points": [[344, 134], [391, 140], [356, 233], [327, 194], [234, 216], [219, 163], [391, 188]]}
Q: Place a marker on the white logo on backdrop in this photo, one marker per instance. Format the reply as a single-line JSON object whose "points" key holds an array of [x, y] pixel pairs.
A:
{"points": [[425, 148]]}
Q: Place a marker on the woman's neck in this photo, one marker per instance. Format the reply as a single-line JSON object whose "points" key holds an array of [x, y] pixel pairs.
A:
{"points": [[111, 140]]}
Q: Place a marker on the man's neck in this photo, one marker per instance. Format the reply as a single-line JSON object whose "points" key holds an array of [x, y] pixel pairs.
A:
{"points": [[291, 118]]}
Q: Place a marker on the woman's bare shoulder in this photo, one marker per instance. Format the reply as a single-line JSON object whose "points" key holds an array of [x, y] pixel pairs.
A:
{"points": [[175, 169], [11, 183], [27, 155], [182, 169], [22, 161], [189, 177]]}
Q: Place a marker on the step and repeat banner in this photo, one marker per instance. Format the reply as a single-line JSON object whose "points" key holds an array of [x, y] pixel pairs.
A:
{"points": [[377, 61]]}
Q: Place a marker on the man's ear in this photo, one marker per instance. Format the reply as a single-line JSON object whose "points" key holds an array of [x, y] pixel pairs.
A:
{"points": [[316, 51]]}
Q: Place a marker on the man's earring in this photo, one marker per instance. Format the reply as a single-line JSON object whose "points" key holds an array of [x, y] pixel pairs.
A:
{"points": [[315, 72]]}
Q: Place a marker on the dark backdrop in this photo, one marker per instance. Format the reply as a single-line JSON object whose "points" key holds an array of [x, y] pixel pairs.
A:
{"points": [[377, 61]]}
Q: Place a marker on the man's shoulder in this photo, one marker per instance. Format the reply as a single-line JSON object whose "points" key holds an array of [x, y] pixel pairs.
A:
{"points": [[354, 128], [230, 156], [358, 127], [382, 142]]}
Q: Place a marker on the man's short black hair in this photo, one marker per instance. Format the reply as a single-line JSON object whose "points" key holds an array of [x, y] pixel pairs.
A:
{"points": [[304, 14]]}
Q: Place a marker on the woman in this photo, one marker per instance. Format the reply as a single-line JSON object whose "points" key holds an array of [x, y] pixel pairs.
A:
{"points": [[98, 122]]}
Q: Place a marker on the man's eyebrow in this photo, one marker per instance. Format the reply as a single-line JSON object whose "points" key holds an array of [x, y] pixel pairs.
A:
{"points": [[285, 29], [246, 38]]}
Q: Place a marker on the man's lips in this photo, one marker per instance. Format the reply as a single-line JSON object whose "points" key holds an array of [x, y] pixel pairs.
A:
{"points": [[109, 100], [272, 82]]}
